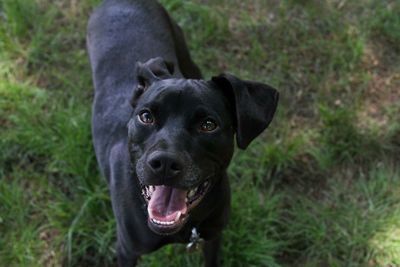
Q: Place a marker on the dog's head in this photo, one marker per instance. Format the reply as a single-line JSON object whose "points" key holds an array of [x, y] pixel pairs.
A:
{"points": [[181, 136]]}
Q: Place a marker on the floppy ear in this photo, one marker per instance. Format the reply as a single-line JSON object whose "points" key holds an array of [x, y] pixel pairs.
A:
{"points": [[253, 105], [154, 69]]}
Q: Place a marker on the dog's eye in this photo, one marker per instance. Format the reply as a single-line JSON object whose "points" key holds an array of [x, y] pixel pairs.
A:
{"points": [[208, 125], [146, 117]]}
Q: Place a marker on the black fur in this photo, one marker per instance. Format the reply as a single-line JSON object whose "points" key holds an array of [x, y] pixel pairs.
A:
{"points": [[140, 62]]}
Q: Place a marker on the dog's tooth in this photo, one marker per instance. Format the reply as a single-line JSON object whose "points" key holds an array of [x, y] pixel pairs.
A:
{"points": [[163, 222], [205, 184], [178, 215], [192, 193], [186, 200]]}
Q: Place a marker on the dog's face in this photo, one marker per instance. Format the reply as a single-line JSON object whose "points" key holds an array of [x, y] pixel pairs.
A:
{"points": [[181, 136], [181, 140]]}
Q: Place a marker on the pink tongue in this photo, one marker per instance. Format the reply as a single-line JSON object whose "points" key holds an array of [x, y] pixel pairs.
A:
{"points": [[166, 202]]}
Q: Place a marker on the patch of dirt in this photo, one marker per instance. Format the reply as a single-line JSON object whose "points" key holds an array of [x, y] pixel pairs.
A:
{"points": [[5, 124], [383, 87], [49, 254]]}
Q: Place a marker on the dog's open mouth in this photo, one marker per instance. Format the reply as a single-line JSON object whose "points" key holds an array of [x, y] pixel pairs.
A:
{"points": [[168, 207]]}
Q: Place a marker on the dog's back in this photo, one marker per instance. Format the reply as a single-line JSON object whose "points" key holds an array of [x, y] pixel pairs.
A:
{"points": [[123, 32]]}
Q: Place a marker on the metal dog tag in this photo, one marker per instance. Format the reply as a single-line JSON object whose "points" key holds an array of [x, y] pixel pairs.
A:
{"points": [[196, 242]]}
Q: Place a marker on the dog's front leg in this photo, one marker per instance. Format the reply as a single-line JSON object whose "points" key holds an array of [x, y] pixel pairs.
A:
{"points": [[124, 261], [211, 252]]}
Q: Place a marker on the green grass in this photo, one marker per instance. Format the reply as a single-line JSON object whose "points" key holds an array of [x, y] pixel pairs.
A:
{"points": [[342, 229], [319, 188]]}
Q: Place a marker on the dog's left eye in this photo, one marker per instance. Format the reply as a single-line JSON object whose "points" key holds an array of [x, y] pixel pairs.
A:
{"points": [[208, 125], [146, 117]]}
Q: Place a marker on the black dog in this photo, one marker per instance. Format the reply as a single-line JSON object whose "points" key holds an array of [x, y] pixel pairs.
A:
{"points": [[163, 136]]}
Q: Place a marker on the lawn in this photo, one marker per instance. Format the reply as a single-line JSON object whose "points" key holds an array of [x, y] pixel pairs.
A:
{"points": [[321, 187]]}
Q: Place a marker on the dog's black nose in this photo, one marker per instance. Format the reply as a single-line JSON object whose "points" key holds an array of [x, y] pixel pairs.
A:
{"points": [[164, 164]]}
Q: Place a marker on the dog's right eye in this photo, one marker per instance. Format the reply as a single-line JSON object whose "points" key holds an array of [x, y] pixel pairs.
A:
{"points": [[208, 125], [146, 117]]}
